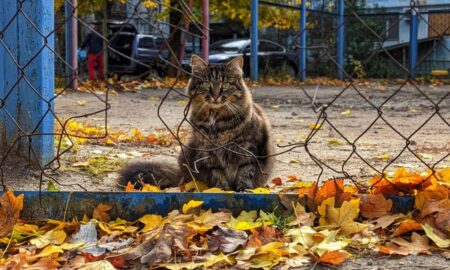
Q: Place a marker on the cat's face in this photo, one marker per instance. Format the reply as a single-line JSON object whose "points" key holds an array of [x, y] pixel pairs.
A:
{"points": [[216, 85]]}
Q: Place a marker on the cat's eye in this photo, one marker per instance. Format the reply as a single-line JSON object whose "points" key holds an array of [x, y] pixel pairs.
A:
{"points": [[205, 84], [226, 86]]}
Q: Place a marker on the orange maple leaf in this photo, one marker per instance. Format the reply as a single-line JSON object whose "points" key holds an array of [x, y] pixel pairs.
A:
{"points": [[100, 212], [375, 206], [10, 208], [336, 257]]}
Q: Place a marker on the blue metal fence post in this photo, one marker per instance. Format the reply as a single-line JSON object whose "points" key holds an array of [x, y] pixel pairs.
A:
{"points": [[340, 39], [254, 41], [413, 48], [303, 34], [28, 79], [8, 73]]}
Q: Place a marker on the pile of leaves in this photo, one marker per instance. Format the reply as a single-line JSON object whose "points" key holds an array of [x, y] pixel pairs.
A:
{"points": [[327, 224], [82, 133]]}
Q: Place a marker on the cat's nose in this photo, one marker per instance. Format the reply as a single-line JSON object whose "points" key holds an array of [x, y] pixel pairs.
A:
{"points": [[215, 97]]}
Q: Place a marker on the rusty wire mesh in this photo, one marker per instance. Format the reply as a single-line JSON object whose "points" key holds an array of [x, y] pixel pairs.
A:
{"points": [[325, 48]]}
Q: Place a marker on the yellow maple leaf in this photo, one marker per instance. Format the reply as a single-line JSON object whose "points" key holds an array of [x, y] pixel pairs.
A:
{"points": [[54, 237], [245, 221], [151, 222], [260, 190], [49, 251], [191, 205], [150, 188], [343, 217]]}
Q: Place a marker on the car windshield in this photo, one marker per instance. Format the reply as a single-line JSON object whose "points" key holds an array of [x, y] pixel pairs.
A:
{"points": [[228, 46]]}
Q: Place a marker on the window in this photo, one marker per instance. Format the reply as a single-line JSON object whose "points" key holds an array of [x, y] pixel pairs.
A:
{"points": [[146, 43], [392, 28]]}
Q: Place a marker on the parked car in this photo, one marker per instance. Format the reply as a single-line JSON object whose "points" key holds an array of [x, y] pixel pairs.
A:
{"points": [[270, 55], [131, 53]]}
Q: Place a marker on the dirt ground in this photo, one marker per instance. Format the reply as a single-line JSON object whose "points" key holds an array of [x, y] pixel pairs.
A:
{"points": [[377, 145]]}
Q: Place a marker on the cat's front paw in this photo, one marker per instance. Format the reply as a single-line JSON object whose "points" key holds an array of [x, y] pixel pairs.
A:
{"points": [[243, 185]]}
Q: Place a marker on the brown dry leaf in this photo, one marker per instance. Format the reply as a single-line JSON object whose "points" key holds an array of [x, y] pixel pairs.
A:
{"points": [[226, 240], [263, 235], [375, 206], [301, 217], [160, 246], [419, 245], [44, 264], [100, 212], [336, 257], [407, 226], [10, 208], [385, 221], [440, 211]]}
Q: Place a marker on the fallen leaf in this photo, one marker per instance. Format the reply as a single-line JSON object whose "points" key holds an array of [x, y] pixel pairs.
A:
{"points": [[81, 102], [442, 243], [383, 157], [440, 211], [10, 208], [49, 251], [374, 206], [301, 217], [130, 187], [260, 190], [51, 237], [385, 221], [336, 257], [245, 221], [192, 204], [318, 242], [343, 217], [262, 236], [226, 240], [314, 126], [97, 265], [150, 188], [407, 226], [399, 246], [277, 181], [150, 222], [208, 220], [100, 212], [347, 112]]}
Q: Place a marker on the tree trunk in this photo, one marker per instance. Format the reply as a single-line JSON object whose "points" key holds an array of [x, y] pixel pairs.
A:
{"points": [[176, 22]]}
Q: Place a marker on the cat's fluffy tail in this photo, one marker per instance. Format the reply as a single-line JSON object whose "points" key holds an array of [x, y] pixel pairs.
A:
{"points": [[154, 173]]}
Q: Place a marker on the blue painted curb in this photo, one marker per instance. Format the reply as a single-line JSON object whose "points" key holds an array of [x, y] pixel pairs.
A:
{"points": [[133, 205]]}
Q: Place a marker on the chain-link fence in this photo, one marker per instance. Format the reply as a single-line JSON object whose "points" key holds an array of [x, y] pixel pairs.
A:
{"points": [[355, 133]]}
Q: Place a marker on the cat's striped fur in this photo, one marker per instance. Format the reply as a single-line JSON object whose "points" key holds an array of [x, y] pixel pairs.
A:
{"points": [[230, 144]]}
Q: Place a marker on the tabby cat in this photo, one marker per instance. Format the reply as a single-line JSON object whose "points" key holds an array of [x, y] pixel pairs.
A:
{"points": [[230, 145]]}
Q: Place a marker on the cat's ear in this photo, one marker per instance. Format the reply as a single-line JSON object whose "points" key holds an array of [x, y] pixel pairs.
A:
{"points": [[198, 64], [236, 64]]}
